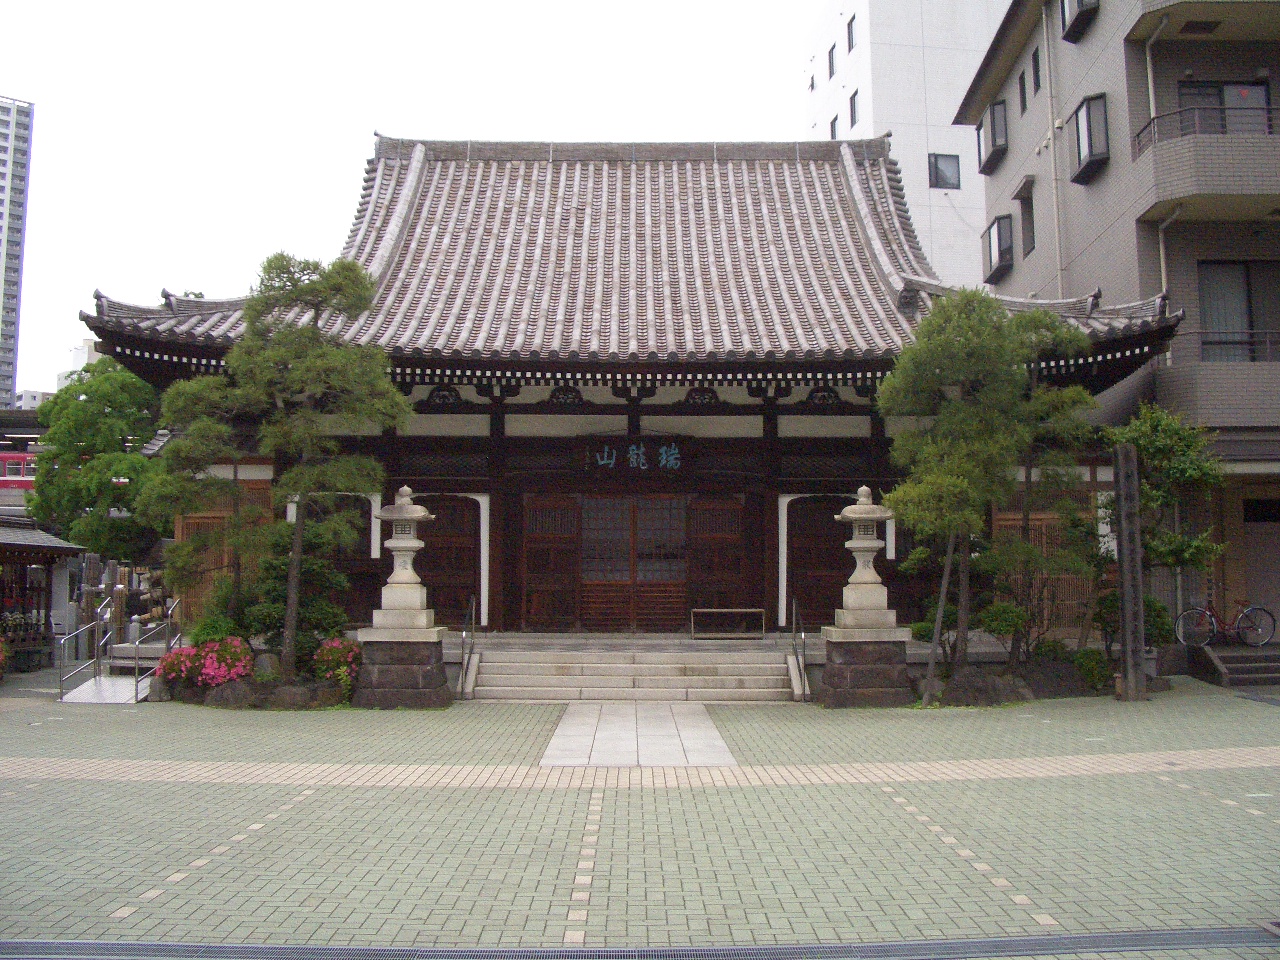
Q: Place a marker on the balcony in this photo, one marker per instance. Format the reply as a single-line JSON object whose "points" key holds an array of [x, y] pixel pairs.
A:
{"points": [[1207, 121], [1215, 163], [1256, 346]]}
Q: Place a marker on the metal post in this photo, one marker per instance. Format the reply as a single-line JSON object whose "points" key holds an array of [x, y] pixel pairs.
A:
{"points": [[1129, 554]]}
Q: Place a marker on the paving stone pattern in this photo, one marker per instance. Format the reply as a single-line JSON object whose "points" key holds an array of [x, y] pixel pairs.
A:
{"points": [[436, 829]]}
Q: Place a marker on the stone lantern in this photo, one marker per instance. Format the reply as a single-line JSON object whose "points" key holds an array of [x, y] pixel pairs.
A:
{"points": [[866, 600], [866, 649], [402, 662]]}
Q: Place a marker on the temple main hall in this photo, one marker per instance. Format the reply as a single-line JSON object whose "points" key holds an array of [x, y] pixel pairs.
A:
{"points": [[642, 375]]}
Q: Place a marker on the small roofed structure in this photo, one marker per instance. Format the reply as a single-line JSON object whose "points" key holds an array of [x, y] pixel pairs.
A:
{"points": [[642, 374], [28, 556]]}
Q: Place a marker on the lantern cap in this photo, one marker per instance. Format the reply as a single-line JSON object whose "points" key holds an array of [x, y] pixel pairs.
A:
{"points": [[864, 511], [404, 509]]}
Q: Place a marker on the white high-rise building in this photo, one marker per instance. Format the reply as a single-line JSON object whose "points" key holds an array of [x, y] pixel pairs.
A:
{"points": [[903, 66], [15, 157]]}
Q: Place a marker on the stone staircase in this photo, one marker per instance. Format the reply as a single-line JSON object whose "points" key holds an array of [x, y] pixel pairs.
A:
{"points": [[588, 674], [120, 657], [1235, 666]]}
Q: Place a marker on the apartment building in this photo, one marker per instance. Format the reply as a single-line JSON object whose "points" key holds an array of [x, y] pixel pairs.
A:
{"points": [[1132, 145], [901, 66], [15, 153]]}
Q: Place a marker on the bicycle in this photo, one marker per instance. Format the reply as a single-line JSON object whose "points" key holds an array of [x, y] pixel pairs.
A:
{"points": [[1200, 626]]}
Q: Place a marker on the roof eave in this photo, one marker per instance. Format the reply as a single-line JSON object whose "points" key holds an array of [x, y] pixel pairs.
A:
{"points": [[1011, 36]]}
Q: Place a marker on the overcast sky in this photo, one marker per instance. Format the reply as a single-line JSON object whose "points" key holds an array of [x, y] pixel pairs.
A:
{"points": [[177, 145]]}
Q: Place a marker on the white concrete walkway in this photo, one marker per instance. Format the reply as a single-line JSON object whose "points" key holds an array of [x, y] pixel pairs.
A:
{"points": [[653, 734], [107, 690]]}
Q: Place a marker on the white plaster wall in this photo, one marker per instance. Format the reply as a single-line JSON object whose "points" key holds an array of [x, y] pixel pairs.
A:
{"points": [[801, 426], [563, 425], [446, 425], [703, 426]]}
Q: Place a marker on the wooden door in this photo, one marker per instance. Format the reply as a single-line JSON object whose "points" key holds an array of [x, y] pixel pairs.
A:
{"points": [[818, 565], [551, 563], [715, 553], [660, 597], [449, 562], [634, 564]]}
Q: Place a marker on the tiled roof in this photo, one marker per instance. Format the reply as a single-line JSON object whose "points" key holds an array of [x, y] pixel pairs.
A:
{"points": [[21, 534], [618, 252]]}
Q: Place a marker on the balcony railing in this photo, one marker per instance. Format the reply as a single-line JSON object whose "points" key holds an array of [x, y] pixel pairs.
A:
{"points": [[1259, 346], [1198, 121]]}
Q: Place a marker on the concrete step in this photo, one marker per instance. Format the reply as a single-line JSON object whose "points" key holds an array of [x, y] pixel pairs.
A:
{"points": [[661, 658], [506, 668], [558, 694], [775, 682], [107, 690], [1254, 679], [143, 651]]}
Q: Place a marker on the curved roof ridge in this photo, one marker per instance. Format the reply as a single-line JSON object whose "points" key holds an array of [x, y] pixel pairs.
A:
{"points": [[605, 253]]}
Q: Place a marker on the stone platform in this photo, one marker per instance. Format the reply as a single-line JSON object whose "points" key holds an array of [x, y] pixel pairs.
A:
{"points": [[865, 673], [402, 673]]}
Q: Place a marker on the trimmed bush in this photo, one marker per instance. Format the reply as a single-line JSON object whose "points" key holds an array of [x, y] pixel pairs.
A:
{"points": [[1094, 667], [338, 660]]}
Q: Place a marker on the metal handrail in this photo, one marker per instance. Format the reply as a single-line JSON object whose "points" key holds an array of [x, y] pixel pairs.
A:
{"points": [[97, 655], [799, 648], [1201, 121], [1244, 346], [468, 637]]}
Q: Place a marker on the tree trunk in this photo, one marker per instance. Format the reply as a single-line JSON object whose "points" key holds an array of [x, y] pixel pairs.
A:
{"points": [[960, 653], [235, 609], [930, 677], [293, 589], [1021, 637]]}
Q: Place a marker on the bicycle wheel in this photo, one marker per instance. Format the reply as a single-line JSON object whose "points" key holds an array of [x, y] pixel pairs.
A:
{"points": [[1195, 627], [1255, 626]]}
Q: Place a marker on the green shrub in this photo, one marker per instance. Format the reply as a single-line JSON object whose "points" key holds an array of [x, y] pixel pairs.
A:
{"points": [[1051, 650], [1002, 619], [1094, 667], [338, 660], [922, 632], [211, 629], [1157, 625]]}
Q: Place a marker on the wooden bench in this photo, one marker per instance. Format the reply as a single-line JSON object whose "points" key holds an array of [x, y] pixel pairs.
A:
{"points": [[735, 630]]}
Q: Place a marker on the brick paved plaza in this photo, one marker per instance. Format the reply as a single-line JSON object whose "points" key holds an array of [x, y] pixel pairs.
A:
{"points": [[164, 822]]}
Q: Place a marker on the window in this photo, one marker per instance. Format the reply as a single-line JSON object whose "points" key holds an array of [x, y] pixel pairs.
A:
{"points": [[997, 249], [1035, 70], [1240, 311], [1076, 17], [1028, 223], [853, 109], [1235, 108], [1087, 135], [993, 137], [831, 61], [851, 32], [1022, 91], [835, 122], [944, 171]]}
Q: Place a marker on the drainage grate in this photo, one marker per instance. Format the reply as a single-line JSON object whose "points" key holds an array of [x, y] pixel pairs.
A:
{"points": [[1037, 946]]}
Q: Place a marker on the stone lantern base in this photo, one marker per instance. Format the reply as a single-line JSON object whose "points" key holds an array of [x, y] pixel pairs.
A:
{"points": [[402, 654], [866, 661]]}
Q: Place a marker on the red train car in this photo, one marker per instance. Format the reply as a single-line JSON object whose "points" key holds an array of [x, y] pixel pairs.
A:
{"points": [[17, 471]]}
